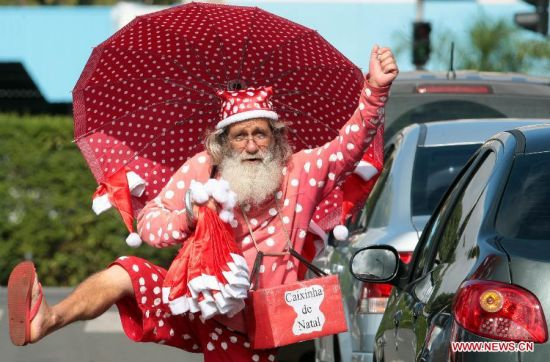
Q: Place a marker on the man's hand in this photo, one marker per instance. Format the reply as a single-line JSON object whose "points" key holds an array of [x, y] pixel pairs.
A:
{"points": [[211, 203], [382, 67]]}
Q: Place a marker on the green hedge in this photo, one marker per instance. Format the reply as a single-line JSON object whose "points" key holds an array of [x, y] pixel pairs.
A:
{"points": [[45, 205]]}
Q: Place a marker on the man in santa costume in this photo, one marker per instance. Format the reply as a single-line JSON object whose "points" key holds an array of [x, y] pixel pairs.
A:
{"points": [[277, 194]]}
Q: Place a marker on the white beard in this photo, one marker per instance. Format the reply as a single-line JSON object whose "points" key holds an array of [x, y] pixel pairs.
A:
{"points": [[252, 182]]}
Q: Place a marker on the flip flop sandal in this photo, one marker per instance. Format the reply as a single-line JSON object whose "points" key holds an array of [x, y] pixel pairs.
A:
{"points": [[19, 302]]}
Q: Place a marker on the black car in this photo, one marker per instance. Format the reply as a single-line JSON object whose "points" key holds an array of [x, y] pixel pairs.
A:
{"points": [[479, 272]]}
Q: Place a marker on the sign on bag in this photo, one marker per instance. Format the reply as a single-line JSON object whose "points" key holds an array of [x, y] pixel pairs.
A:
{"points": [[297, 312]]}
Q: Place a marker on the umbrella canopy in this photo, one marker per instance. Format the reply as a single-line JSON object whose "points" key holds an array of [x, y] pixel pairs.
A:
{"points": [[147, 95]]}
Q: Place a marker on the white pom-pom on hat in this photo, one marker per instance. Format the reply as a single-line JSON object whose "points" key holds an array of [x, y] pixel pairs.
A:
{"points": [[340, 232], [133, 240]]}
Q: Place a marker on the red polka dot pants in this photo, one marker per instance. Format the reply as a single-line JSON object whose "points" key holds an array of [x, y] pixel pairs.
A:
{"points": [[146, 319]]}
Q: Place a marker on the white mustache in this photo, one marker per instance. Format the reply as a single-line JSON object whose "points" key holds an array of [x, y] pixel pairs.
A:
{"points": [[260, 155]]}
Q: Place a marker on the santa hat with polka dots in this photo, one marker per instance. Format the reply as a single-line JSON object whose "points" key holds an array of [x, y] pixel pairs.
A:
{"points": [[241, 105], [117, 191]]}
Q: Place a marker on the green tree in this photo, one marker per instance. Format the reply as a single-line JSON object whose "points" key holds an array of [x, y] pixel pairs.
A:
{"points": [[497, 45], [45, 200]]}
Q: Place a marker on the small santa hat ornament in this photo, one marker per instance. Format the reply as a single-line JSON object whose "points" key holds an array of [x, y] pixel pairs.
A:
{"points": [[117, 190], [240, 105]]}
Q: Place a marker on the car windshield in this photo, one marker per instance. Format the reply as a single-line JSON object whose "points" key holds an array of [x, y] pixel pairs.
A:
{"points": [[434, 169], [524, 212]]}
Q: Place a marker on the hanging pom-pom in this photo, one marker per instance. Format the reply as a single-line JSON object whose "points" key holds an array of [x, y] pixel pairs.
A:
{"points": [[231, 201], [133, 240], [226, 216], [219, 193], [199, 193], [340, 232], [211, 185]]}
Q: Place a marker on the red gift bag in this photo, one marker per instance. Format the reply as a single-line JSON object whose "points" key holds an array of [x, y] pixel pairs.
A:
{"points": [[296, 312]]}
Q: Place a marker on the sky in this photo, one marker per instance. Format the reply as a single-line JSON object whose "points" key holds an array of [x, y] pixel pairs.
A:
{"points": [[54, 43]]}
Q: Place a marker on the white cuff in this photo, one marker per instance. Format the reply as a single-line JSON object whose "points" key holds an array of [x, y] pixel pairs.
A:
{"points": [[101, 204], [135, 183], [365, 170]]}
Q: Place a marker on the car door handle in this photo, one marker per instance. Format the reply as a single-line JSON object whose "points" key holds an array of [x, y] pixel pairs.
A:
{"points": [[418, 308]]}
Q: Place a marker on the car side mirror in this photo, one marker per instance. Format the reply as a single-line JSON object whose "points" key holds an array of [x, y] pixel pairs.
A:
{"points": [[375, 264]]}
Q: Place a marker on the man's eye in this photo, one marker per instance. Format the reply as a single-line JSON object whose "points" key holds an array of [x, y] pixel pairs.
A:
{"points": [[239, 138], [260, 136]]}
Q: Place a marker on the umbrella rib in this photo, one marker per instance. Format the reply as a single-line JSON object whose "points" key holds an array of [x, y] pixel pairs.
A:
{"points": [[245, 48], [298, 92], [169, 101], [173, 82], [221, 49], [177, 123], [302, 113], [211, 86], [270, 54], [188, 46], [294, 70], [166, 80], [297, 135]]}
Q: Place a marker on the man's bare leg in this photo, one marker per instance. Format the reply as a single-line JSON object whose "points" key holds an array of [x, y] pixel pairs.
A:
{"points": [[89, 300]]}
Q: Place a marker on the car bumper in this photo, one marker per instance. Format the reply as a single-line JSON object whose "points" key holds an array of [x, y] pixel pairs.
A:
{"points": [[362, 357]]}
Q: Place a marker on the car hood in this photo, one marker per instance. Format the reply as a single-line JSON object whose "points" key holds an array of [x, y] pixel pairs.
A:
{"points": [[404, 239]]}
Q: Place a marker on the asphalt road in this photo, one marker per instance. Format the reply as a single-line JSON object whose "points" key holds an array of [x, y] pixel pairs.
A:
{"points": [[100, 340]]}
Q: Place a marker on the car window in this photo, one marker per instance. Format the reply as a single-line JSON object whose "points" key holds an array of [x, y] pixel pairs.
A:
{"points": [[524, 212], [437, 111], [377, 191], [377, 209], [433, 171], [461, 212], [431, 231]]}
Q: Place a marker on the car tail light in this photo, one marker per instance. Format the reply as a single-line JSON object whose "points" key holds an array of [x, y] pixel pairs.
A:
{"points": [[374, 296], [500, 311], [456, 88], [406, 256]]}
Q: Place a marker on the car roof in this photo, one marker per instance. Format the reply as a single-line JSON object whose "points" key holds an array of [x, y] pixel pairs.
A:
{"points": [[499, 83], [537, 138], [467, 131]]}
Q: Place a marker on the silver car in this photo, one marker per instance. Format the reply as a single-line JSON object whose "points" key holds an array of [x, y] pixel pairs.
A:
{"points": [[420, 163]]}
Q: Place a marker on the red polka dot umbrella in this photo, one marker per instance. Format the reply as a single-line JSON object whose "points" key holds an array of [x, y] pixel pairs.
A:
{"points": [[148, 93]]}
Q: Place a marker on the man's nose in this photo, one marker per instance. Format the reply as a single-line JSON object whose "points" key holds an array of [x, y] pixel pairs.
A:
{"points": [[251, 146]]}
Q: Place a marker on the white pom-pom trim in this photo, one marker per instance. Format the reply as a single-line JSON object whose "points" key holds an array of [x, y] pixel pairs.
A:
{"points": [[133, 240], [340, 232]]}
